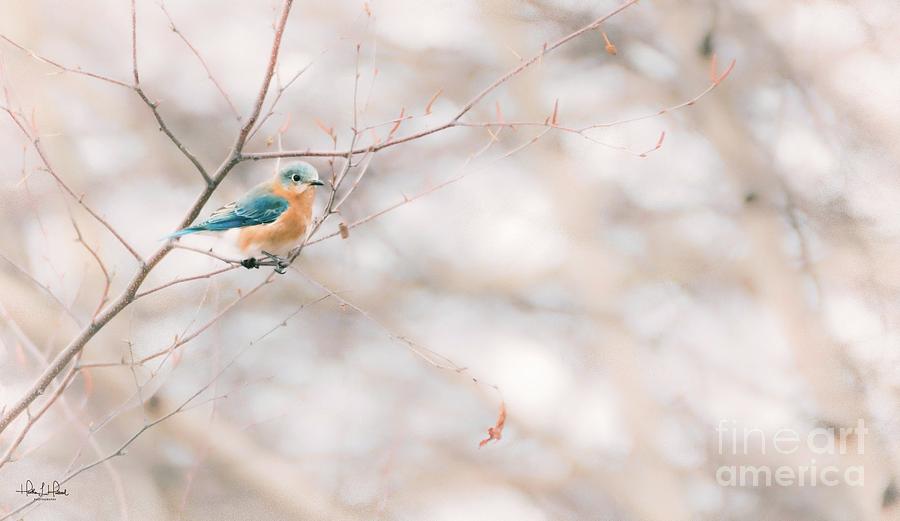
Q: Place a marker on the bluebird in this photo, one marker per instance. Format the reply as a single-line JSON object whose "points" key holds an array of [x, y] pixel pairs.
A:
{"points": [[272, 216]]}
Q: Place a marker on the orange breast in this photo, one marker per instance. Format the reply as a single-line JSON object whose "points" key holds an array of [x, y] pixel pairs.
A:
{"points": [[287, 230]]}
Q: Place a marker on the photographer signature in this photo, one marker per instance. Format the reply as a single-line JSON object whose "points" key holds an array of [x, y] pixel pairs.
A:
{"points": [[47, 492]]}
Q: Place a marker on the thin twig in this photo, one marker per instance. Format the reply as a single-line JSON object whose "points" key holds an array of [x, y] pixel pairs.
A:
{"points": [[154, 106], [136, 88], [197, 332], [267, 79], [69, 411], [107, 281], [164, 128], [64, 357], [278, 95], [209, 74], [185, 279], [62, 67], [183, 406], [455, 119], [33, 418], [39, 149], [46, 289], [118, 452], [134, 62]]}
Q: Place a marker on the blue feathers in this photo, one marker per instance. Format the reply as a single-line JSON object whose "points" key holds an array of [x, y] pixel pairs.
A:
{"points": [[185, 231], [260, 206]]}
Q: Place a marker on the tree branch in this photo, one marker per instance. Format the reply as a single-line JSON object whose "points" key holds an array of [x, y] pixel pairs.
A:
{"points": [[39, 149], [154, 106], [196, 53], [270, 71], [62, 67], [453, 122], [74, 347]]}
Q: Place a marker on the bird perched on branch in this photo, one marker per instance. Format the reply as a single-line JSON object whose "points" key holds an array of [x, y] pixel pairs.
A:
{"points": [[273, 216]]}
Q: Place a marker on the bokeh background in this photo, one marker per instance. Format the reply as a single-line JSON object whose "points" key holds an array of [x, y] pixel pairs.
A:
{"points": [[625, 307]]}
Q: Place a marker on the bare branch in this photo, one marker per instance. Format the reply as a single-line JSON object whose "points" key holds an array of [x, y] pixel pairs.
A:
{"points": [[197, 332], [134, 64], [713, 84], [154, 106], [119, 451], [270, 71], [39, 149], [196, 53], [550, 123], [61, 67], [107, 281], [64, 357], [407, 199], [71, 414], [185, 279], [278, 95], [453, 122], [430, 356], [208, 253], [235, 155], [46, 289], [547, 48], [182, 407], [32, 419], [136, 87]]}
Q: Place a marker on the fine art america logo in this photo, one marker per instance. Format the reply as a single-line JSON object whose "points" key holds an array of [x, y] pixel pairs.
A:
{"points": [[825, 442]]}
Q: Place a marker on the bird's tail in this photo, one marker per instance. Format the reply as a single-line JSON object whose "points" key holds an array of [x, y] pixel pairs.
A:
{"points": [[184, 231]]}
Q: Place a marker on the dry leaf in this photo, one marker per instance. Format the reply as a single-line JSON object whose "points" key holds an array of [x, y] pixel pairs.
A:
{"points": [[325, 128], [610, 47], [495, 432], [397, 124], [714, 76], [287, 124], [432, 100]]}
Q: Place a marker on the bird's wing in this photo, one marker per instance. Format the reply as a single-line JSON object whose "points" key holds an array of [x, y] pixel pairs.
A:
{"points": [[256, 208]]}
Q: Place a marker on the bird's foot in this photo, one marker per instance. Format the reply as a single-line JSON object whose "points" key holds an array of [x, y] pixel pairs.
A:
{"points": [[250, 263], [281, 264]]}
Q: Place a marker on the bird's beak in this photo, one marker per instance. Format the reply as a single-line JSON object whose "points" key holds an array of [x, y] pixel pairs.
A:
{"points": [[316, 182]]}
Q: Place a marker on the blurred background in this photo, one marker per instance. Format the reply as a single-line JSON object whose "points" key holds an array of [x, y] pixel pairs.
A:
{"points": [[744, 275]]}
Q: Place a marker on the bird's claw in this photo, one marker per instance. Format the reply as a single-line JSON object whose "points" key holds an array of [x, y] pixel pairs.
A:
{"points": [[250, 263], [281, 264]]}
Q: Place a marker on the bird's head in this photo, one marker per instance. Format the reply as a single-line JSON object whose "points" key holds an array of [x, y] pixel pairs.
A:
{"points": [[299, 176]]}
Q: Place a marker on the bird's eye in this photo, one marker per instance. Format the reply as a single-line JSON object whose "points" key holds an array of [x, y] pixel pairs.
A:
{"points": [[295, 178]]}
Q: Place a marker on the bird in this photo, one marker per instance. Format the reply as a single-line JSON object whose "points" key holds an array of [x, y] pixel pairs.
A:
{"points": [[273, 216]]}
